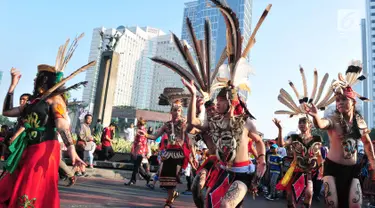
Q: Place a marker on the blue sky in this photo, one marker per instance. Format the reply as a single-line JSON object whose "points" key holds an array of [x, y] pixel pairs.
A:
{"points": [[310, 33]]}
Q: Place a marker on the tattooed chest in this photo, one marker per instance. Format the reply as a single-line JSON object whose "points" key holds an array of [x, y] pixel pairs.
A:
{"points": [[226, 135]]}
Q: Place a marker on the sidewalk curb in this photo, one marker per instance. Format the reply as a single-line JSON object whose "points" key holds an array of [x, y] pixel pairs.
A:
{"points": [[108, 170]]}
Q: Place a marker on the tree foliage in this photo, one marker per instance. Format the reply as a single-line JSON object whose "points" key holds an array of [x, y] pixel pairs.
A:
{"points": [[5, 121], [323, 134]]}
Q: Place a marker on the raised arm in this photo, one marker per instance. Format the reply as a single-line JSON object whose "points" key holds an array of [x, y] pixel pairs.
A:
{"points": [[320, 123], [280, 140], [192, 110], [8, 109]]}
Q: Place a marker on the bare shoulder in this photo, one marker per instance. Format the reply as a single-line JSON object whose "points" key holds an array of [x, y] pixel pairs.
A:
{"points": [[58, 104], [55, 100], [250, 125]]}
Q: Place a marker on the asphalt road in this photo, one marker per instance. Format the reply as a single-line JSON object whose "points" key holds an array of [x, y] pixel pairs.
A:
{"points": [[98, 192]]}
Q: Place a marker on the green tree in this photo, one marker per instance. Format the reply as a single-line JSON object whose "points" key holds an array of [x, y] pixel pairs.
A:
{"points": [[321, 133], [5, 121]]}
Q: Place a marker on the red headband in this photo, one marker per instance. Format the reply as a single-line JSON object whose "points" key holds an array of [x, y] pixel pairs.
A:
{"points": [[349, 93]]}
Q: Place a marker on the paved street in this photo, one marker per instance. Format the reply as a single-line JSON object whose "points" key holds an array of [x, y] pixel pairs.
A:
{"points": [[98, 192]]}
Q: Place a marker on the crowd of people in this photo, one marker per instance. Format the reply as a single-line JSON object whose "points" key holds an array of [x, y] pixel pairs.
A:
{"points": [[234, 161]]}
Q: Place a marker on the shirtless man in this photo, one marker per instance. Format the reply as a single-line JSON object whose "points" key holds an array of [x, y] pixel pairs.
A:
{"points": [[232, 149], [345, 127], [174, 156], [306, 163], [209, 165]]}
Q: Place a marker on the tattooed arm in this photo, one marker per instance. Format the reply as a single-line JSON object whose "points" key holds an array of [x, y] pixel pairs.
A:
{"points": [[259, 145], [63, 127], [321, 123]]}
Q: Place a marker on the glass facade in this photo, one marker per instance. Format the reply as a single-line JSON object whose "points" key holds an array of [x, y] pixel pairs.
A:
{"points": [[198, 11]]}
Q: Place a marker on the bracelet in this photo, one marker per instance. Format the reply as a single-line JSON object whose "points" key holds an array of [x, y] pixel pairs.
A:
{"points": [[261, 156]]}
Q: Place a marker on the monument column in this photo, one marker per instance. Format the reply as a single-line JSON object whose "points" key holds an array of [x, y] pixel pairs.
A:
{"points": [[106, 86]]}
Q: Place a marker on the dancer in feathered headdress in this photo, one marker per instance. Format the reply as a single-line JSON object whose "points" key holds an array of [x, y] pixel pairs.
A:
{"points": [[345, 128], [176, 155], [307, 157], [226, 129], [35, 150]]}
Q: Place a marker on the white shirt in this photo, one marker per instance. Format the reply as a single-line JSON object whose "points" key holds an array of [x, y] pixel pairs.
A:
{"points": [[281, 151], [130, 134]]}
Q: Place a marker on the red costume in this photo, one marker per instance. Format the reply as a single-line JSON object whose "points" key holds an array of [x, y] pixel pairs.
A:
{"points": [[31, 171]]}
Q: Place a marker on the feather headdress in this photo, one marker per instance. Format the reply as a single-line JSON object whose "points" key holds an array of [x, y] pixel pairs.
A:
{"points": [[200, 72], [62, 59], [304, 98], [235, 74], [174, 96], [353, 75]]}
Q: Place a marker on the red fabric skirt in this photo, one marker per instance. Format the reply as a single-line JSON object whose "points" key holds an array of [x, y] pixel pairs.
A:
{"points": [[35, 181]]}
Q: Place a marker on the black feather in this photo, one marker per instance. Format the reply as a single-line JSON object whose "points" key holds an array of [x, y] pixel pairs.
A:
{"points": [[207, 35], [364, 98], [361, 78], [176, 68], [198, 50], [191, 66], [234, 31], [353, 69]]}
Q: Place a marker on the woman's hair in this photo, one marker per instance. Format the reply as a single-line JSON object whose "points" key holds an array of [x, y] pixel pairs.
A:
{"points": [[44, 81]]}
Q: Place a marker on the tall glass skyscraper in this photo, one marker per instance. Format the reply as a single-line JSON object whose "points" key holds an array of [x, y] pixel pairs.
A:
{"points": [[199, 10]]}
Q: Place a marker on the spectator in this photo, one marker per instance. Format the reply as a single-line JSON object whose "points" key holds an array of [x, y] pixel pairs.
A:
{"points": [[84, 135], [24, 98], [107, 138], [3, 137], [281, 151], [139, 152], [275, 167], [129, 133], [89, 152], [98, 129], [150, 130]]}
